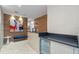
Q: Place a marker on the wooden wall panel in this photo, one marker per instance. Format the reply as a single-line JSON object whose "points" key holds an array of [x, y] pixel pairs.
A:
{"points": [[7, 29], [41, 24]]}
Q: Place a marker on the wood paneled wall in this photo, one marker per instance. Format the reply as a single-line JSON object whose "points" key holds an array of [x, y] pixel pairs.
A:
{"points": [[41, 24], [7, 29]]}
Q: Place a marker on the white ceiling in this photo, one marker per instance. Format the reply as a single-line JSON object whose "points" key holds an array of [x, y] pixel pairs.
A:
{"points": [[29, 11]]}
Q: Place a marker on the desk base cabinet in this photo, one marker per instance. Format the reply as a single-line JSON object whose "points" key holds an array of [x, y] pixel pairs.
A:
{"points": [[58, 48], [52, 47]]}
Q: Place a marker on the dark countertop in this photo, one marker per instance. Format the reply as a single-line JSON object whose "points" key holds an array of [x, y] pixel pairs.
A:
{"points": [[62, 39]]}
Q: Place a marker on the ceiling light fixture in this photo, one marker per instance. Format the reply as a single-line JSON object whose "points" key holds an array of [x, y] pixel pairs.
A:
{"points": [[12, 17], [21, 20]]}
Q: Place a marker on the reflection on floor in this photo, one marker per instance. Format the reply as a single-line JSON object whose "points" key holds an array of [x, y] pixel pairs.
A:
{"points": [[20, 47]]}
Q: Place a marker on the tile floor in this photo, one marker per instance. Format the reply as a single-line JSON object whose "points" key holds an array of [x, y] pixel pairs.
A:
{"points": [[20, 47]]}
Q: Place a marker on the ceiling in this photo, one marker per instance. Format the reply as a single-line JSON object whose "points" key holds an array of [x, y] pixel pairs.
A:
{"points": [[29, 11]]}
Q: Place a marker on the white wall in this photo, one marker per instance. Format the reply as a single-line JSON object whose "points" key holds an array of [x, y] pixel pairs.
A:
{"points": [[1, 28], [63, 19]]}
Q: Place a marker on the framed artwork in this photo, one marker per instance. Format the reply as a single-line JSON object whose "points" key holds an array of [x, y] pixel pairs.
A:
{"points": [[16, 25]]}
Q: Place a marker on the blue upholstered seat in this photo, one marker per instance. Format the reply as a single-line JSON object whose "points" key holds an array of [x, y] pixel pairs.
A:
{"points": [[19, 37]]}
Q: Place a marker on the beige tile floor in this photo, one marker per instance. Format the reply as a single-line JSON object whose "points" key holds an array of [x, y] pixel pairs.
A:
{"points": [[20, 47]]}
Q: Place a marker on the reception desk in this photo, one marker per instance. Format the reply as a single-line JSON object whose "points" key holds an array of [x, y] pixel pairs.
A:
{"points": [[50, 42]]}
